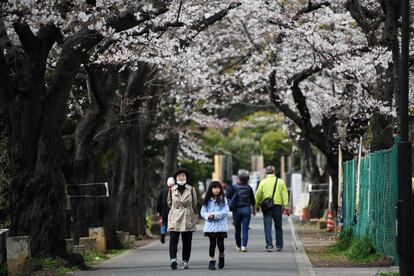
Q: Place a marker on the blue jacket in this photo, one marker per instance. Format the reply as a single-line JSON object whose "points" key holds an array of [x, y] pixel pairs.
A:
{"points": [[245, 195], [219, 223]]}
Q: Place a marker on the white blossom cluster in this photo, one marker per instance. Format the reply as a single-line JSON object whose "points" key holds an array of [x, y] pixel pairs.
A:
{"points": [[230, 61]]}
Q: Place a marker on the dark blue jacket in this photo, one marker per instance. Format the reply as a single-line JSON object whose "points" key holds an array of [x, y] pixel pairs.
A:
{"points": [[245, 195], [162, 205]]}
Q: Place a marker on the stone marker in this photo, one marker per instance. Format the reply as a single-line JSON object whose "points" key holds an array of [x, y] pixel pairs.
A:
{"points": [[132, 238], [99, 234], [79, 249], [4, 234], [69, 245], [18, 256], [123, 238], [89, 243]]}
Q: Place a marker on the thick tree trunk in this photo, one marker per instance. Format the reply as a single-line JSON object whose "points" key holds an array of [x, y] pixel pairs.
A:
{"points": [[310, 168], [139, 198], [87, 154], [170, 156], [35, 117], [36, 114]]}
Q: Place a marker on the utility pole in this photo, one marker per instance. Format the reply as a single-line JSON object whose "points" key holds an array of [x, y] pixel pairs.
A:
{"points": [[405, 210]]}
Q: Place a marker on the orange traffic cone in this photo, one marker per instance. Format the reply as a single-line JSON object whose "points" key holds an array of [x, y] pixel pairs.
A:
{"points": [[329, 223]]}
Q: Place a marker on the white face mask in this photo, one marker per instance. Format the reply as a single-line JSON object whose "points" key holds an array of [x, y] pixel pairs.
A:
{"points": [[180, 182]]}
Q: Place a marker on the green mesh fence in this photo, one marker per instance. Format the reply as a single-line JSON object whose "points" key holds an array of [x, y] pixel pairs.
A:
{"points": [[378, 194]]}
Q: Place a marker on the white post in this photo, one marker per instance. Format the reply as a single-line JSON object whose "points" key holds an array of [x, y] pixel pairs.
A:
{"points": [[358, 175], [330, 193], [282, 168], [340, 179]]}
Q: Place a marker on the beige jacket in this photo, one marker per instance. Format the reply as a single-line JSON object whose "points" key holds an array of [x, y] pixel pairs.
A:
{"points": [[181, 217]]}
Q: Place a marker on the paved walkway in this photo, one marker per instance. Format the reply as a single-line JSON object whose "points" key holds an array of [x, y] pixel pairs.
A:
{"points": [[153, 259]]}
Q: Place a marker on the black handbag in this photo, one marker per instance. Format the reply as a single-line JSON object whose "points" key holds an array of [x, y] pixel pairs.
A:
{"points": [[233, 200], [267, 203]]}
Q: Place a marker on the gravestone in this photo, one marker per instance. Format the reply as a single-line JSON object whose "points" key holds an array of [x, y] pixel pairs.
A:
{"points": [[79, 249], [18, 256], [89, 243], [99, 234], [69, 245]]}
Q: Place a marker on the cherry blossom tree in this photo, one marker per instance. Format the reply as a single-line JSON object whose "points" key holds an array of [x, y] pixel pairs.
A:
{"points": [[330, 67]]}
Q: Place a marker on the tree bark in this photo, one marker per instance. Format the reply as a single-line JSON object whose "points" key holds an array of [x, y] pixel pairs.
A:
{"points": [[86, 156]]}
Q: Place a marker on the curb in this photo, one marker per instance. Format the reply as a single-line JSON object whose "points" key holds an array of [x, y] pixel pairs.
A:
{"points": [[305, 267]]}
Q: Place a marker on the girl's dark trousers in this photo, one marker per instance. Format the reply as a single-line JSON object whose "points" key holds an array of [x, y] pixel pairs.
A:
{"points": [[219, 241], [186, 238]]}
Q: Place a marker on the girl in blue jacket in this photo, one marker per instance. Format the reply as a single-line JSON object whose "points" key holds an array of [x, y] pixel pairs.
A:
{"points": [[214, 211]]}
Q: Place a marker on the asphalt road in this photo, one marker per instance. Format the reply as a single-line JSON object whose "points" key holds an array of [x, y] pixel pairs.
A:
{"points": [[153, 259]]}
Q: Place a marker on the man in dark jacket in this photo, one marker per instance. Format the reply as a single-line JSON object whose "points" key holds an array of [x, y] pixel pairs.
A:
{"points": [[163, 209], [243, 210]]}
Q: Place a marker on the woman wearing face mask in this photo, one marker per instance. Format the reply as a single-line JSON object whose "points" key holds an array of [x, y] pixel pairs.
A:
{"points": [[182, 199]]}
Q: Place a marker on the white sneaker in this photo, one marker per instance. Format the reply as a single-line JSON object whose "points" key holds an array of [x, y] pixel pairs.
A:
{"points": [[185, 265], [238, 248], [243, 249]]}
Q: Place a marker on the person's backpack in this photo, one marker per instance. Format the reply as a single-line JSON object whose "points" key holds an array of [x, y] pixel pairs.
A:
{"points": [[233, 199]]}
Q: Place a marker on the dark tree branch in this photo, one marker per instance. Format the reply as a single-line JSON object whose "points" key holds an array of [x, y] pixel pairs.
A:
{"points": [[75, 47], [239, 60], [179, 11], [49, 34], [301, 76], [278, 102], [310, 8], [77, 104], [4, 78], [129, 20], [279, 23], [205, 23], [303, 119], [162, 28], [360, 16], [246, 31], [97, 108], [26, 36]]}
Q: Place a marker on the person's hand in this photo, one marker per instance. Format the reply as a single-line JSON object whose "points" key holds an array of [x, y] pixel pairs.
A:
{"points": [[210, 216], [254, 212], [286, 211]]}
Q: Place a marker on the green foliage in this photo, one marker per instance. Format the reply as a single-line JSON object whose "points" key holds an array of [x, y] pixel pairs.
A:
{"points": [[275, 142], [260, 132], [115, 252], [361, 249], [355, 248], [3, 268], [344, 242], [48, 263], [389, 274], [63, 270], [199, 171], [148, 220], [214, 141], [94, 258]]}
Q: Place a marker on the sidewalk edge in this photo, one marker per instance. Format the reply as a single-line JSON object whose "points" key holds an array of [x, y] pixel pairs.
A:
{"points": [[305, 267]]}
